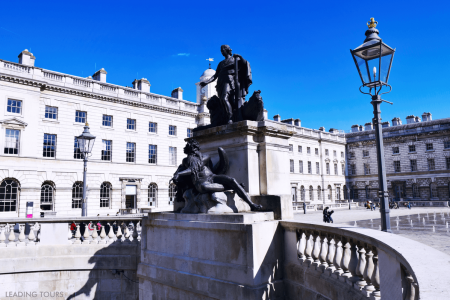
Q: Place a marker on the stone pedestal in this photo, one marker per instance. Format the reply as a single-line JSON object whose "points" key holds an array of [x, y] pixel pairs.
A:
{"points": [[201, 256], [258, 154]]}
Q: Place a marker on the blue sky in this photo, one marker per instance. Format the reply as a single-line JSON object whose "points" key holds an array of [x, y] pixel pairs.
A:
{"points": [[298, 50]]}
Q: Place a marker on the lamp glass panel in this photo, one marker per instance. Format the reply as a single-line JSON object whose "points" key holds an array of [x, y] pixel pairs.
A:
{"points": [[362, 68], [91, 145], [371, 64], [385, 66], [82, 145]]}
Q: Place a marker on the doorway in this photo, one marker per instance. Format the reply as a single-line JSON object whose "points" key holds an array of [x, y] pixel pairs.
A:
{"points": [[130, 196]]}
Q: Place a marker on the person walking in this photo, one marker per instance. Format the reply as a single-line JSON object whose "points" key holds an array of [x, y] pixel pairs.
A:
{"points": [[325, 214], [330, 219], [409, 205]]}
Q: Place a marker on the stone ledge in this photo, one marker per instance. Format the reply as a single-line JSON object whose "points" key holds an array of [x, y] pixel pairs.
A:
{"points": [[241, 218]]}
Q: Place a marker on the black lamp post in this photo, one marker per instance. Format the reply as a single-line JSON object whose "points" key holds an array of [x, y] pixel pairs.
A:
{"points": [[371, 56], [85, 144]]}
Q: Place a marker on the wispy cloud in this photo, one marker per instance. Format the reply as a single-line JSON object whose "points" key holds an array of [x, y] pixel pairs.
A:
{"points": [[183, 54], [7, 30]]}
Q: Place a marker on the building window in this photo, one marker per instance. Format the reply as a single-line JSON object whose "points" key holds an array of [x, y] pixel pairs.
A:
{"points": [[330, 193], [309, 168], [172, 130], [431, 165], [319, 190], [107, 150], [342, 154], [302, 193], [294, 194], [49, 147], [12, 141], [291, 148], [77, 194], [80, 116], [172, 156], [415, 191], [353, 169], [447, 161], [354, 193], [328, 168], [446, 144], [300, 166], [131, 124], [343, 169], [300, 149], [334, 153], [76, 150], [351, 155], [9, 194], [152, 194], [172, 193], [317, 168], [131, 152], [308, 150], [47, 194], [395, 150], [326, 152], [412, 148], [14, 106], [429, 146], [413, 164], [291, 164], [397, 168], [338, 193], [311, 193], [365, 153], [433, 190], [190, 133], [105, 194], [335, 169], [107, 121], [152, 154], [316, 151], [366, 169], [51, 112], [152, 127], [367, 192]]}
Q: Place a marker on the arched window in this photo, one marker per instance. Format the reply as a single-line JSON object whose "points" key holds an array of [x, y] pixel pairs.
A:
{"points": [[9, 194], [354, 192], [330, 196], [367, 192], [77, 194], [319, 190], [302, 193], [433, 190], [105, 194], [345, 193], [152, 194], [47, 196], [172, 193], [311, 193], [415, 191]]}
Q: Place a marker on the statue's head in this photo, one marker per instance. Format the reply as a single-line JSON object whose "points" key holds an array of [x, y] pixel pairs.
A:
{"points": [[192, 146], [224, 49]]}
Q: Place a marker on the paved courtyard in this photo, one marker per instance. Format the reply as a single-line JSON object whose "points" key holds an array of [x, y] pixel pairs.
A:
{"points": [[425, 225]]}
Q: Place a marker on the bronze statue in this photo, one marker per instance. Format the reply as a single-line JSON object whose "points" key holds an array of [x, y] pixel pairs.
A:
{"points": [[196, 178], [234, 77]]}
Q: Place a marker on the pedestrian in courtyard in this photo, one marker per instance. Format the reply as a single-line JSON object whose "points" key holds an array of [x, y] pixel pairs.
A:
{"points": [[330, 219], [409, 205], [73, 228], [325, 214]]}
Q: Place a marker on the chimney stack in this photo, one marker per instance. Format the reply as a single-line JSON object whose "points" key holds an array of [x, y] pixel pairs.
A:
{"points": [[410, 119], [298, 122], [368, 126], [142, 85], [265, 114], [26, 58], [355, 128], [288, 121], [277, 118], [396, 122], [322, 128], [177, 93], [426, 116], [100, 75], [333, 130], [385, 124], [361, 128]]}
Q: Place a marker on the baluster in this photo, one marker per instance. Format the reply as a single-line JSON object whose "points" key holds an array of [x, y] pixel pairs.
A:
{"points": [[330, 257], [139, 231], [86, 235], [309, 248], [126, 235], [77, 235], [376, 277], [12, 237], [110, 234], [102, 236], [316, 250], [368, 273], [301, 247], [31, 237], [353, 263], [119, 233], [2, 236], [361, 283], [346, 261], [323, 254], [21, 235], [135, 234], [94, 235], [410, 290], [338, 260]]}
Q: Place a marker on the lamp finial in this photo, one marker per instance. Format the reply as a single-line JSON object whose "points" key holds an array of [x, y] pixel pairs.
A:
{"points": [[87, 124], [372, 23]]}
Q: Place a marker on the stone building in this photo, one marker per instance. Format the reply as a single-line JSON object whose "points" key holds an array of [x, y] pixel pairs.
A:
{"points": [[417, 156]]}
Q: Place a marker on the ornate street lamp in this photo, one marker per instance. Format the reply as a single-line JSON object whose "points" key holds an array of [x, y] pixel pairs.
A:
{"points": [[85, 144], [373, 59]]}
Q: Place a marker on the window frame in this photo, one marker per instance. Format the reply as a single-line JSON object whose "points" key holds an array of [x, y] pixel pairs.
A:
{"points": [[300, 166], [130, 154], [300, 149], [104, 153], [309, 167], [17, 141], [152, 199], [155, 154], [397, 166], [105, 121], [395, 150], [47, 114], [105, 201], [78, 118], [413, 165], [49, 151], [189, 133], [77, 195], [155, 127], [429, 147], [411, 147], [291, 165], [431, 164], [131, 124], [317, 168], [16, 107], [47, 191], [76, 146], [12, 198], [172, 129], [172, 156]]}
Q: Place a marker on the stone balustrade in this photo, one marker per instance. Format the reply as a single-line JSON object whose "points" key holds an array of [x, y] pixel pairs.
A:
{"points": [[359, 263], [87, 231]]}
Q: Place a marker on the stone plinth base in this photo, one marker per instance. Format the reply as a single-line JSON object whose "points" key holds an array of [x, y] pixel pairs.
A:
{"points": [[201, 256]]}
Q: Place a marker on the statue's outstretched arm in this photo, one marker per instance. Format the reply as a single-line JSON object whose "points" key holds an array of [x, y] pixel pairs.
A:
{"points": [[204, 83]]}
